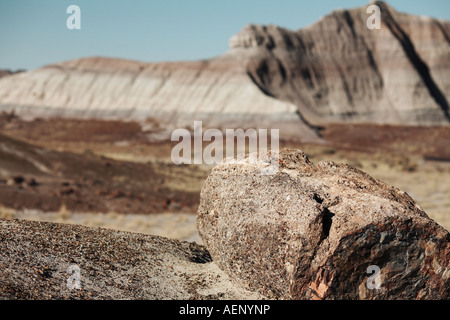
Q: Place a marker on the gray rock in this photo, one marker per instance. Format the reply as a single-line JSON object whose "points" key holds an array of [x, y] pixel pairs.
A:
{"points": [[41, 260], [315, 232]]}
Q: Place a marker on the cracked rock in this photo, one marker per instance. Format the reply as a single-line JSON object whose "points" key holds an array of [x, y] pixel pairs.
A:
{"points": [[321, 232]]}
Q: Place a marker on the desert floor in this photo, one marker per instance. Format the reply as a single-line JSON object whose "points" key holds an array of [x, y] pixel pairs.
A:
{"points": [[415, 160]]}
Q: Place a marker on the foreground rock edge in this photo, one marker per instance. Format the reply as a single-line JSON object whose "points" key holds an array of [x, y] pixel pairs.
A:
{"points": [[35, 258]]}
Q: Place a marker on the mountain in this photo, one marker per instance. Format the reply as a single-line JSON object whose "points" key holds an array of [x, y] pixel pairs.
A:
{"points": [[336, 70]]}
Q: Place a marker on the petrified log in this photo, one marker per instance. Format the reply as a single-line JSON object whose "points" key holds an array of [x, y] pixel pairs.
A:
{"points": [[321, 232], [46, 260]]}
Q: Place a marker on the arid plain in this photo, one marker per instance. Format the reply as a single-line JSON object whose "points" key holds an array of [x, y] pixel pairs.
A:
{"points": [[162, 198]]}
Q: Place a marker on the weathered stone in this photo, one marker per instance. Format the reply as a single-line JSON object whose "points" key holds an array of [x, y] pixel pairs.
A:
{"points": [[36, 260], [311, 232]]}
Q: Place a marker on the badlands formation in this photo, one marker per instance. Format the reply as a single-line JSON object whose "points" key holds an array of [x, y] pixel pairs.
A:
{"points": [[336, 70]]}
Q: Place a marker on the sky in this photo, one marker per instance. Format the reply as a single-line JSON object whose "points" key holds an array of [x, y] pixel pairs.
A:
{"points": [[33, 33]]}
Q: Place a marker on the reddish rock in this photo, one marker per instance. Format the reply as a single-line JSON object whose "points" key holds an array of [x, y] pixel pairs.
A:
{"points": [[314, 232]]}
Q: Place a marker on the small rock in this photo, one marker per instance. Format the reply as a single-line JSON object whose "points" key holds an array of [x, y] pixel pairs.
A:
{"points": [[31, 182], [15, 180]]}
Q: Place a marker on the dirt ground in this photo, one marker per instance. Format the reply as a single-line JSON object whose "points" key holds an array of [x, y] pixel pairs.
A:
{"points": [[109, 174]]}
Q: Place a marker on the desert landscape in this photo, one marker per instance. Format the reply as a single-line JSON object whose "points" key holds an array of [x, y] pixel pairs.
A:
{"points": [[87, 143], [107, 174]]}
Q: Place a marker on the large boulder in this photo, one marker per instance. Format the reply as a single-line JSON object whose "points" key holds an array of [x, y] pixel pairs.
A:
{"points": [[321, 232]]}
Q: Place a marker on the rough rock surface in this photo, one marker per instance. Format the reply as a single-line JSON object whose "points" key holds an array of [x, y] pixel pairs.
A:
{"points": [[312, 232], [35, 258], [334, 70]]}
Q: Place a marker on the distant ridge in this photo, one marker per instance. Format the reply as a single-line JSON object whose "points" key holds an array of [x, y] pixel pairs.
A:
{"points": [[336, 70]]}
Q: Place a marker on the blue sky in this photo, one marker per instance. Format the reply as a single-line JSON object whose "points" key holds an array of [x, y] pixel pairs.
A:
{"points": [[33, 33]]}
